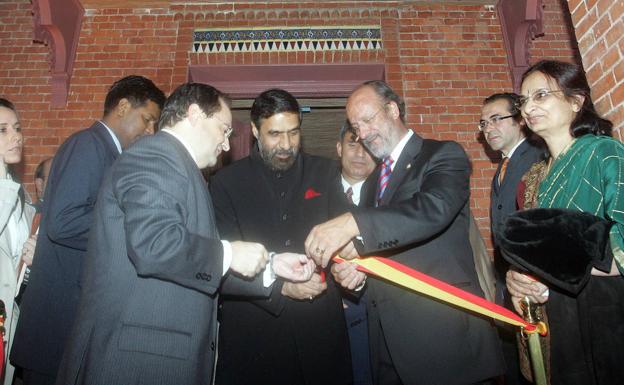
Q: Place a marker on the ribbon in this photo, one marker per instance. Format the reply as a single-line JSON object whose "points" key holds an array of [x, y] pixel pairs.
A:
{"points": [[424, 284]]}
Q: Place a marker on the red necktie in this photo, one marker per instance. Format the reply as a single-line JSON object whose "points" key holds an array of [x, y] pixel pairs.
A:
{"points": [[384, 177]]}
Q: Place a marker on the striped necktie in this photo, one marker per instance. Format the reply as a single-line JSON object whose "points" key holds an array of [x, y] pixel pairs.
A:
{"points": [[384, 177]]}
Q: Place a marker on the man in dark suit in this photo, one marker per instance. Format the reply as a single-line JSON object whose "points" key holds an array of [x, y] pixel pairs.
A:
{"points": [[148, 309], [505, 131], [48, 307], [356, 165], [421, 191], [275, 196]]}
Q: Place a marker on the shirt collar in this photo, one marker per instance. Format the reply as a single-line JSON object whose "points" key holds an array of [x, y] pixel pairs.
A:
{"points": [[181, 140], [398, 149], [112, 134], [514, 148], [356, 188]]}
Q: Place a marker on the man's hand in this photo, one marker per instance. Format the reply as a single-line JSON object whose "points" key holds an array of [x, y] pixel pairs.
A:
{"points": [[292, 266], [327, 238], [349, 251], [248, 258], [347, 275], [521, 285], [305, 290], [28, 251]]}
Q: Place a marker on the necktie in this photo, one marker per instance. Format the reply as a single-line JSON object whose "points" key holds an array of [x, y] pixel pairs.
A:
{"points": [[384, 177], [349, 194], [503, 170]]}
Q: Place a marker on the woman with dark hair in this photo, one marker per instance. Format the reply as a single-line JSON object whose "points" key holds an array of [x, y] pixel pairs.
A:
{"points": [[584, 175], [15, 218]]}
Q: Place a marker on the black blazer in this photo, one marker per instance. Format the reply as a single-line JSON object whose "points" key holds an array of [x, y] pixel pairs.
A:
{"points": [[279, 340], [422, 222], [503, 201], [49, 304]]}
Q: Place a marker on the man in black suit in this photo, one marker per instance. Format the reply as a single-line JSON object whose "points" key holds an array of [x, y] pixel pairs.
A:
{"points": [[356, 165], [48, 307], [275, 196], [504, 130], [155, 261], [421, 193]]}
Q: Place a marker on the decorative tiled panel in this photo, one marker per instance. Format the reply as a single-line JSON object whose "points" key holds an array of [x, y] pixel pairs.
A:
{"points": [[287, 39]]}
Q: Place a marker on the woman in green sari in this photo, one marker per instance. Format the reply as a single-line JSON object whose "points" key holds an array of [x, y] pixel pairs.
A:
{"points": [[585, 172]]}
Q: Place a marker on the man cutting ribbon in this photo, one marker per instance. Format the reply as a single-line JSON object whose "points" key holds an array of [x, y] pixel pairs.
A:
{"points": [[421, 220]]}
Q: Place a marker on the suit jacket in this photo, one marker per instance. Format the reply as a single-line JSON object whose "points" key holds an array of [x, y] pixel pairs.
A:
{"points": [[49, 305], [148, 309], [280, 340], [422, 222], [503, 201]]}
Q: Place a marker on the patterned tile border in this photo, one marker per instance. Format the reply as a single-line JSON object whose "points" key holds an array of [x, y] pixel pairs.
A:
{"points": [[287, 39]]}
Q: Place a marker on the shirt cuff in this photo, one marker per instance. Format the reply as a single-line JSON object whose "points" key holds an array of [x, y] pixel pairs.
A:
{"points": [[227, 256], [268, 277]]}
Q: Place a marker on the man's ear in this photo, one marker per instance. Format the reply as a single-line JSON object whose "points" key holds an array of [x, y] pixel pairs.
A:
{"points": [[123, 106], [339, 149], [394, 110], [194, 114], [254, 130]]}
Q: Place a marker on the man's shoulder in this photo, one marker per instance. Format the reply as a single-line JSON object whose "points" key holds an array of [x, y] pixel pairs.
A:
{"points": [[86, 142], [234, 170]]}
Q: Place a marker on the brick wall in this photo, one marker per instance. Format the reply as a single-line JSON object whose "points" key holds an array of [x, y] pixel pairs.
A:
{"points": [[599, 27], [443, 58]]}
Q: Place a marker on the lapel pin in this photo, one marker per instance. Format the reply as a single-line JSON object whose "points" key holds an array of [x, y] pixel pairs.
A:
{"points": [[409, 165]]}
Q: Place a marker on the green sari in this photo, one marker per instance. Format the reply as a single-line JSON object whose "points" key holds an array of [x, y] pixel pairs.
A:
{"points": [[589, 177], [586, 332]]}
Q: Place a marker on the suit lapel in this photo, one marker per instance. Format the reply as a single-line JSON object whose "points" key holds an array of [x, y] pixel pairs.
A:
{"points": [[101, 131], [402, 167]]}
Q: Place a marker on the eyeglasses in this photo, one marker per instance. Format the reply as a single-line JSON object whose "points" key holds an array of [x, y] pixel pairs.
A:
{"points": [[228, 128], [483, 124], [355, 127], [537, 97]]}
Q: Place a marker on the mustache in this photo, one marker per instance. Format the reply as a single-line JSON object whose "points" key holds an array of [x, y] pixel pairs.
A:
{"points": [[289, 152]]}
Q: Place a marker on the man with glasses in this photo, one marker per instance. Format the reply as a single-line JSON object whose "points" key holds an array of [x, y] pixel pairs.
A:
{"points": [[505, 131], [418, 214], [148, 312], [275, 196]]}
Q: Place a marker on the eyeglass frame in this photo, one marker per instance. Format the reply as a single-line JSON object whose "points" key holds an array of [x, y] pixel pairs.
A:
{"points": [[367, 121], [228, 127], [523, 100], [493, 121]]}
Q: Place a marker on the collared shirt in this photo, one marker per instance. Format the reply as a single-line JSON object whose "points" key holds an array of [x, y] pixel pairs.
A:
{"points": [[227, 247], [356, 188], [398, 149], [112, 134], [513, 149]]}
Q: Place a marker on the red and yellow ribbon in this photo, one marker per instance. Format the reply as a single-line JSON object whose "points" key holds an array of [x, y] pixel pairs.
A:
{"points": [[422, 283]]}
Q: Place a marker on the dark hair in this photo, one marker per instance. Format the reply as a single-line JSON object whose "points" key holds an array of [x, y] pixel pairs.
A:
{"points": [[384, 91], [20, 193], [177, 104], [39, 169], [138, 90], [572, 81], [7, 104], [346, 127], [271, 102], [513, 103]]}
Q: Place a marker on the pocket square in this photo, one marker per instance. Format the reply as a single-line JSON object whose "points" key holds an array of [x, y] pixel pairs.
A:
{"points": [[310, 193]]}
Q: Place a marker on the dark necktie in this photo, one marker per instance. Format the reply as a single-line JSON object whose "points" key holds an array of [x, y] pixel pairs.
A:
{"points": [[503, 170], [349, 194], [384, 177]]}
